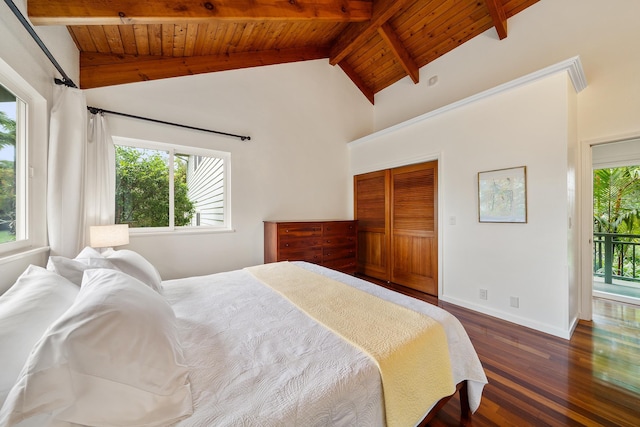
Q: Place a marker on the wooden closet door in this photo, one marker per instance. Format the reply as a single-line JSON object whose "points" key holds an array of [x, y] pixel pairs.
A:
{"points": [[371, 205], [414, 227]]}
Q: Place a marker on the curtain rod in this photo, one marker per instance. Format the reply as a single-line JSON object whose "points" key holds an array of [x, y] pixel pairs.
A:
{"points": [[95, 110], [66, 80]]}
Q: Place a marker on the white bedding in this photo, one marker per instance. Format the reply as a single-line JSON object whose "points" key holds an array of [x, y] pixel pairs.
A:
{"points": [[256, 360]]}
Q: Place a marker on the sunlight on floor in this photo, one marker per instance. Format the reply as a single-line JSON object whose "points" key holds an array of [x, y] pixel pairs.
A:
{"points": [[616, 343]]}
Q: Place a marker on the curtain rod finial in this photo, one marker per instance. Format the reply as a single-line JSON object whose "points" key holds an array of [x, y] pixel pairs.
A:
{"points": [[65, 82]]}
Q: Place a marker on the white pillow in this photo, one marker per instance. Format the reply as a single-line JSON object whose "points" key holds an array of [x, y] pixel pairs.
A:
{"points": [[73, 269], [27, 309], [135, 265], [113, 359], [93, 258]]}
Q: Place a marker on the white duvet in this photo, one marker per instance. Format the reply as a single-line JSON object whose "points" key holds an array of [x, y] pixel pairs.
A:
{"points": [[256, 360]]}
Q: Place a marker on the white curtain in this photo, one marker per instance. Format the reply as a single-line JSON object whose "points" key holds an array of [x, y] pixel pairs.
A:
{"points": [[100, 174], [65, 191], [81, 173]]}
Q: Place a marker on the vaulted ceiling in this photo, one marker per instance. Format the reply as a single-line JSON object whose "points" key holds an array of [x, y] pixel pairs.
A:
{"points": [[375, 42]]}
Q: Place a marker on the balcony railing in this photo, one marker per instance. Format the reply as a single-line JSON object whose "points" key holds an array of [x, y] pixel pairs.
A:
{"points": [[616, 256]]}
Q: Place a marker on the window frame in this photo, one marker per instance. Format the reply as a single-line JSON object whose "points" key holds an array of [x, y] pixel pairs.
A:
{"points": [[31, 134], [172, 149]]}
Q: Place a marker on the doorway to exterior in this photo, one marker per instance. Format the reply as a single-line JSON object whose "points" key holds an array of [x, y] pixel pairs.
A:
{"points": [[616, 221]]}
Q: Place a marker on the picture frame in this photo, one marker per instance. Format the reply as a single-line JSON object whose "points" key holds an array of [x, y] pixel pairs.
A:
{"points": [[502, 195]]}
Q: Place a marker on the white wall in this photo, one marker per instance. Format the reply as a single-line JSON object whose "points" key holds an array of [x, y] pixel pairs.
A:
{"points": [[24, 62], [605, 38], [300, 117], [530, 126]]}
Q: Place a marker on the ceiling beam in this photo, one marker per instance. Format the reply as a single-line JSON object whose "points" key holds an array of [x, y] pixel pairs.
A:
{"points": [[357, 34], [99, 69], [122, 12], [400, 51], [357, 80], [499, 17]]}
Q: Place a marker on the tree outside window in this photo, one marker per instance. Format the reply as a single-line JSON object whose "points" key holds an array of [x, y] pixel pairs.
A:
{"points": [[7, 171], [143, 191]]}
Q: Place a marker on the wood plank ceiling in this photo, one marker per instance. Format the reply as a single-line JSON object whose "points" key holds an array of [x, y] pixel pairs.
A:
{"points": [[375, 42]]}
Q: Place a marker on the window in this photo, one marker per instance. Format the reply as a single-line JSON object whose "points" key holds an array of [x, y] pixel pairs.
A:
{"points": [[165, 187], [23, 165], [13, 181]]}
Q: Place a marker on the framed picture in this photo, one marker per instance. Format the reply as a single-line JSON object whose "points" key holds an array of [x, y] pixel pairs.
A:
{"points": [[502, 195]]}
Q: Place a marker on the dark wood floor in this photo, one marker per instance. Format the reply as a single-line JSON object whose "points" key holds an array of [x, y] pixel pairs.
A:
{"points": [[537, 379]]}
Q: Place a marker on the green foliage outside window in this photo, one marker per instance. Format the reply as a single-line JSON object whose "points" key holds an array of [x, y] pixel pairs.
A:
{"points": [[142, 189], [616, 210], [7, 181], [616, 200]]}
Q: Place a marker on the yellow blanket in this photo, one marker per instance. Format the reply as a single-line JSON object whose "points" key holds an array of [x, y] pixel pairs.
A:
{"points": [[409, 348]]}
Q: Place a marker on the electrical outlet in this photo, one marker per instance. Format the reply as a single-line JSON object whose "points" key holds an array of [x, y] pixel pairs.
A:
{"points": [[483, 294], [515, 302]]}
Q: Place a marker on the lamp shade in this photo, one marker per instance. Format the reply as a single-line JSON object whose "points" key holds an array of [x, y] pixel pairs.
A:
{"points": [[108, 236]]}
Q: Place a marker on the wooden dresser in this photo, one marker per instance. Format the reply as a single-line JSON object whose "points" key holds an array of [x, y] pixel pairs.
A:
{"points": [[332, 244]]}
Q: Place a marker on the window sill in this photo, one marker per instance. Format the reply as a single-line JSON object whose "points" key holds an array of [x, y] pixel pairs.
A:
{"points": [[144, 233], [22, 253]]}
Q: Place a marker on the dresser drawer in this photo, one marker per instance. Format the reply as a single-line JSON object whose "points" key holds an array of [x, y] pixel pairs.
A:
{"points": [[338, 252], [330, 242], [295, 242], [299, 230], [309, 254], [346, 265], [339, 228]]}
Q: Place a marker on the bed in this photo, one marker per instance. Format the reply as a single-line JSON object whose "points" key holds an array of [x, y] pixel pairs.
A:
{"points": [[219, 350]]}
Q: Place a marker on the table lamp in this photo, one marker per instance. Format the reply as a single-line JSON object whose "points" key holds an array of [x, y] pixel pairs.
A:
{"points": [[108, 236]]}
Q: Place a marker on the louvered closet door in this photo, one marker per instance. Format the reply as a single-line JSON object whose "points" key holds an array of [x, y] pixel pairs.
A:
{"points": [[371, 205], [414, 227]]}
